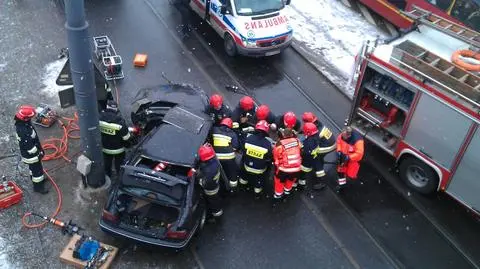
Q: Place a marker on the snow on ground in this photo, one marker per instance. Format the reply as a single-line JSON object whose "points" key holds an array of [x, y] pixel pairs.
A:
{"points": [[332, 31], [50, 87]]}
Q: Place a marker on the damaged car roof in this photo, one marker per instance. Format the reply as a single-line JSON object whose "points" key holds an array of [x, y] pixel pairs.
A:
{"points": [[178, 138]]}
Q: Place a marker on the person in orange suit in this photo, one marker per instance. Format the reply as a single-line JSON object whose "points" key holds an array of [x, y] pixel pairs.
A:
{"points": [[350, 150]]}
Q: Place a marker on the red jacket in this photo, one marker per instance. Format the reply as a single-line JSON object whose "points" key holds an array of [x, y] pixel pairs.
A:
{"points": [[287, 155], [354, 149]]}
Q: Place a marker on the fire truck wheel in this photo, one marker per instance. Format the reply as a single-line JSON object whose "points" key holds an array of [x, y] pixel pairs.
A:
{"points": [[230, 46], [418, 175]]}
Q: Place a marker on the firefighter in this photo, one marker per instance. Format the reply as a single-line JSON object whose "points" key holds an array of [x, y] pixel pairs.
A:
{"points": [[225, 144], [263, 113], [288, 161], [257, 158], [30, 147], [115, 136], [209, 179], [326, 144], [350, 149], [314, 147], [288, 120], [242, 117], [217, 109]]}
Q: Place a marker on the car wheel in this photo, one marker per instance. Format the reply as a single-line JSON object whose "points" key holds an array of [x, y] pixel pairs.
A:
{"points": [[418, 175], [230, 46]]}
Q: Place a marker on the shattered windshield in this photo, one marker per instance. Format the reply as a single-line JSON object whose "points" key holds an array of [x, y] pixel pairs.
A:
{"points": [[256, 7]]}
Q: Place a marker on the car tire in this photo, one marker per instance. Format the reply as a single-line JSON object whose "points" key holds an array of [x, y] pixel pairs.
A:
{"points": [[229, 45], [418, 175]]}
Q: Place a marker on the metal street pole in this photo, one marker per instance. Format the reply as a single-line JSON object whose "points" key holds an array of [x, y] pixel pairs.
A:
{"points": [[81, 66]]}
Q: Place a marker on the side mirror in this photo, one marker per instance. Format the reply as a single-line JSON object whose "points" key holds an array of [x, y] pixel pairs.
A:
{"points": [[286, 2], [223, 10]]}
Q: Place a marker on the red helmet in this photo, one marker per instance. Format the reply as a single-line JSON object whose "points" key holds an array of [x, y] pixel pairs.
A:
{"points": [[216, 101], [227, 122], [247, 103], [289, 119], [25, 112], [262, 112], [309, 117], [310, 129], [262, 125], [206, 153]]}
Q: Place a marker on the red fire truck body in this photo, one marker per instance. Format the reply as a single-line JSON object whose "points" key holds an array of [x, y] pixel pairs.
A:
{"points": [[412, 101]]}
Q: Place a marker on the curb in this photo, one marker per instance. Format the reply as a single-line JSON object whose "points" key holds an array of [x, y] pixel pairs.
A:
{"points": [[317, 62]]}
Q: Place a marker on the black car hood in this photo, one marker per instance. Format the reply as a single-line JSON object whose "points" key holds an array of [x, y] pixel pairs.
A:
{"points": [[186, 95]]}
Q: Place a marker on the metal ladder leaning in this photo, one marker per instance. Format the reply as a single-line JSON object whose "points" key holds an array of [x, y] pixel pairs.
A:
{"points": [[448, 27], [428, 66]]}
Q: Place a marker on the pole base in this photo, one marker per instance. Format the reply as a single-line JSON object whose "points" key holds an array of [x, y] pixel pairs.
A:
{"points": [[92, 195]]}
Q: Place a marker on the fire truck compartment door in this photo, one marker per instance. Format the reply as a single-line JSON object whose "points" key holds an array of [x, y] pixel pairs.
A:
{"points": [[465, 184], [437, 130]]}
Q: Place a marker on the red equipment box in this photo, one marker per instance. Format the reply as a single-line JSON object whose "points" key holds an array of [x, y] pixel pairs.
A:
{"points": [[12, 197]]}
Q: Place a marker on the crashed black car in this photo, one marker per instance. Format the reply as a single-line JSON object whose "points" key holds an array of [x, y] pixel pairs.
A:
{"points": [[158, 200]]}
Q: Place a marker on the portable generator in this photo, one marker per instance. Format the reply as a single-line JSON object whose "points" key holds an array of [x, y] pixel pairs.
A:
{"points": [[45, 116]]}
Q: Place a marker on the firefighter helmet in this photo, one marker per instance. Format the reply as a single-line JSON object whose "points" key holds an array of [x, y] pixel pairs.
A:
{"points": [[262, 112], [262, 126], [246, 103], [309, 117], [25, 112], [227, 122], [309, 129], [206, 152], [289, 119], [216, 101]]}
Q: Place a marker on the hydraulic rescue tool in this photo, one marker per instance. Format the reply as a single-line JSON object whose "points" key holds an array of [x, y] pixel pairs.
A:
{"points": [[45, 116], [69, 227]]}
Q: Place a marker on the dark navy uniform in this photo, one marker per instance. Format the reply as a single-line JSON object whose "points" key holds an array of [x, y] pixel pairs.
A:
{"points": [[315, 148], [257, 159], [225, 143], [210, 181], [31, 151], [115, 136], [243, 129], [218, 115]]}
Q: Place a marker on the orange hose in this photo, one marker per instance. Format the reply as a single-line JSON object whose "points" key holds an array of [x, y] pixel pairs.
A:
{"points": [[59, 149]]}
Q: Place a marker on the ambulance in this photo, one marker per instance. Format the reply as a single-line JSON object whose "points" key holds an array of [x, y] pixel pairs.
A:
{"points": [[248, 27]]}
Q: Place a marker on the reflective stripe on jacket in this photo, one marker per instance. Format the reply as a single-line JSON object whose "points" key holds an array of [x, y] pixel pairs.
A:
{"points": [[287, 155]]}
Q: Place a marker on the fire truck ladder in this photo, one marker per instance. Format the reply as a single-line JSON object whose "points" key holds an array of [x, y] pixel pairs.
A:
{"points": [[430, 68], [450, 28]]}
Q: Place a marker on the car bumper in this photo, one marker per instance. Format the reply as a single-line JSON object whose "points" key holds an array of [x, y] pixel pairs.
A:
{"points": [[143, 239], [264, 51]]}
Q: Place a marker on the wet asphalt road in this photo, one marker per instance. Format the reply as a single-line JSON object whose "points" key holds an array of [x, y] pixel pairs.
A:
{"points": [[372, 226]]}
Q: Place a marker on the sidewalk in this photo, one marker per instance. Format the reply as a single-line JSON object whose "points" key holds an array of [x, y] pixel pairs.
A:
{"points": [[329, 35]]}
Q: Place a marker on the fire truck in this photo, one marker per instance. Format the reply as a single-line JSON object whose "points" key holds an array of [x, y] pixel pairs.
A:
{"points": [[394, 14], [420, 106]]}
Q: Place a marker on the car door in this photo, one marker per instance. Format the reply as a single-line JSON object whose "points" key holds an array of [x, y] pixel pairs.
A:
{"points": [[217, 21]]}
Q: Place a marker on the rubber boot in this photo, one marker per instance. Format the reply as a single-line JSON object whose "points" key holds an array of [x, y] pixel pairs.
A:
{"points": [[40, 187]]}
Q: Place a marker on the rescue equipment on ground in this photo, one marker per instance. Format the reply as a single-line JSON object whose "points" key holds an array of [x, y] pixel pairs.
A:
{"points": [[88, 253], [456, 59], [69, 227], [10, 193], [45, 116], [105, 52], [140, 60]]}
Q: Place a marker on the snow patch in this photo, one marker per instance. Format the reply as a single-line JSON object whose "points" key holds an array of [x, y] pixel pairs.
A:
{"points": [[4, 138], [52, 70], [332, 31]]}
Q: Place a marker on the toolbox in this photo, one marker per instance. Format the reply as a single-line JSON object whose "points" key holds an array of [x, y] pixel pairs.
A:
{"points": [[10, 194]]}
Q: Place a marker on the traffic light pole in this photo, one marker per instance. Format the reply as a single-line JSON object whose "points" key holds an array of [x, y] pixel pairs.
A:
{"points": [[81, 66]]}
